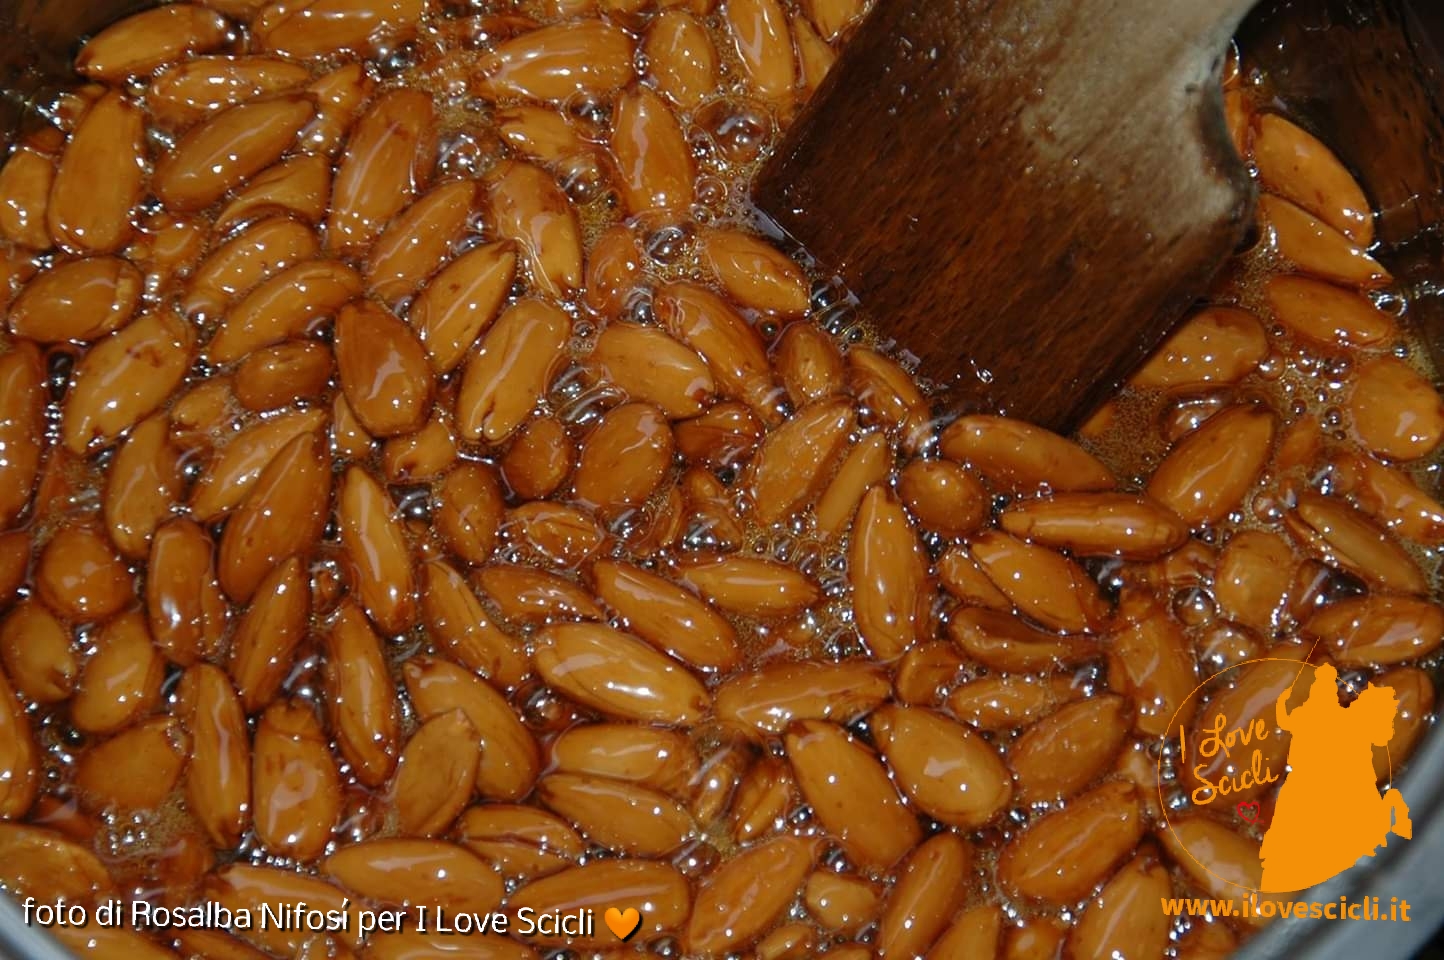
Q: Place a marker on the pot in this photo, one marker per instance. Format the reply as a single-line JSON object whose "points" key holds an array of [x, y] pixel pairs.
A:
{"points": [[1368, 77]]}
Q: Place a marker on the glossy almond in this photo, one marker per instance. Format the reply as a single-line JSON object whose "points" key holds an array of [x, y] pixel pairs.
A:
{"points": [[951, 773], [680, 57], [864, 466], [238, 466], [1043, 584], [808, 363], [1253, 577], [375, 541], [1097, 524], [134, 770], [80, 577], [719, 437], [746, 895], [239, 264], [405, 872], [650, 756], [139, 43], [794, 461], [616, 674], [555, 62], [218, 777], [19, 768], [850, 794], [383, 369], [1391, 497], [1066, 750], [1327, 314], [752, 586], [754, 273], [623, 459], [461, 302], [771, 698], [1294, 164], [889, 571], [279, 376], [22, 407], [1017, 457], [1365, 631], [227, 150], [144, 482], [418, 240], [193, 89], [669, 617], [653, 157], [25, 182], [184, 602], [296, 786], [299, 186], [525, 596], [121, 680], [1395, 412], [1336, 532], [763, 42], [285, 306], [652, 367], [944, 497], [656, 890], [1208, 473], [511, 370], [1061, 857], [523, 842], [77, 300], [530, 209], [614, 270], [1316, 248], [1124, 919], [243, 886], [124, 378], [618, 814], [457, 621], [339, 94], [1215, 345], [730, 346], [360, 697], [1153, 662], [388, 160], [321, 27], [100, 178], [976, 932], [469, 510], [44, 864], [1214, 857], [931, 885], [435, 775]]}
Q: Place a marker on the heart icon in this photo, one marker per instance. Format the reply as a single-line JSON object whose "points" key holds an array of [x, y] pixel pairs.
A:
{"points": [[1247, 811], [623, 923]]}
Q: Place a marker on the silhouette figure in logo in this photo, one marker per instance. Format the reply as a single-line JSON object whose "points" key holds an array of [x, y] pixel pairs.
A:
{"points": [[1329, 812]]}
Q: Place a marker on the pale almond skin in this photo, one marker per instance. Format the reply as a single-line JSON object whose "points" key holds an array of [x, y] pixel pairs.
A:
{"points": [[523, 842], [375, 542], [1215, 345], [680, 57], [931, 886], [218, 777], [511, 370], [100, 179], [456, 620], [555, 62], [743, 898], [1294, 164], [1337, 533], [184, 603], [360, 697], [864, 466], [80, 577], [1208, 473], [403, 872], [667, 616], [891, 595], [1316, 248], [1378, 629], [1395, 413], [759, 33], [133, 770], [510, 760], [191, 90], [1061, 857], [43, 863], [267, 634], [851, 794], [653, 157], [244, 886], [769, 699], [652, 367], [1020, 458], [388, 158], [139, 43], [623, 459], [418, 240], [1042, 584], [793, 463], [77, 300], [435, 775], [227, 150], [618, 675], [22, 407], [1067, 750], [239, 264], [19, 766], [530, 210], [663, 759], [754, 273], [298, 186], [121, 681], [383, 370], [282, 307], [124, 378], [949, 772], [808, 363], [1327, 314], [618, 814], [751, 587], [296, 786]]}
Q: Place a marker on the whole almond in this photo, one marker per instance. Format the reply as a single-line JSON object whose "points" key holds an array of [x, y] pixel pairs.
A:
{"points": [[948, 770]]}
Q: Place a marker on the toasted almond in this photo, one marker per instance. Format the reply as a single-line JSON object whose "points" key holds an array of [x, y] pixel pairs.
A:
{"points": [[435, 775], [754, 273], [78, 300], [1215, 345], [234, 473], [25, 182], [771, 698], [762, 801], [841, 903], [1216, 859], [100, 178], [1043, 584], [1379, 629], [652, 367], [389, 158], [282, 515], [653, 157], [461, 302], [808, 363], [300, 186], [951, 773], [1254, 693], [239, 264], [80, 577], [851, 794], [44, 864], [405, 872], [532, 211], [1294, 164], [618, 814], [1396, 413], [523, 842], [134, 770], [1122, 920], [511, 370], [663, 759], [279, 376], [19, 773], [1063, 856], [22, 408], [383, 369], [656, 890], [730, 346], [418, 240], [926, 672], [814, 57], [376, 544], [469, 511], [285, 306], [976, 932], [614, 270], [144, 481], [554, 534], [719, 437], [296, 786], [339, 96], [944, 497], [121, 681], [1097, 524], [456, 620], [1066, 750], [865, 466], [1153, 663], [360, 697], [711, 509], [1326, 314], [242, 886], [623, 459], [891, 595], [887, 394], [321, 27], [794, 461], [529, 597], [143, 41], [1009, 703], [1252, 580], [931, 885], [760, 35], [609, 671], [680, 57], [218, 778], [428, 453], [1210, 471], [509, 758], [555, 62], [1316, 248], [190, 90], [540, 132], [1004, 642], [187, 611], [229, 149], [1016, 457], [1391, 498], [747, 894], [1338, 533], [751, 586], [124, 378], [667, 616]]}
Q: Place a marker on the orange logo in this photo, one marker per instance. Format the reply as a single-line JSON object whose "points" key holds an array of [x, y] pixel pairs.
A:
{"points": [[1295, 765]]}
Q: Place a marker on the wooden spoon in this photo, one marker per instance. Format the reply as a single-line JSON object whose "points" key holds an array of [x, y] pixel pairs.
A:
{"points": [[1026, 192]]}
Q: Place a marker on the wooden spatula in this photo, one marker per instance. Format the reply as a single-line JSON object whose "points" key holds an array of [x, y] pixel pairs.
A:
{"points": [[1026, 194]]}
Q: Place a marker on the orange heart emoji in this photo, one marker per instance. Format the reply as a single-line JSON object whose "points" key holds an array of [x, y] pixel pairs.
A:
{"points": [[623, 923]]}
